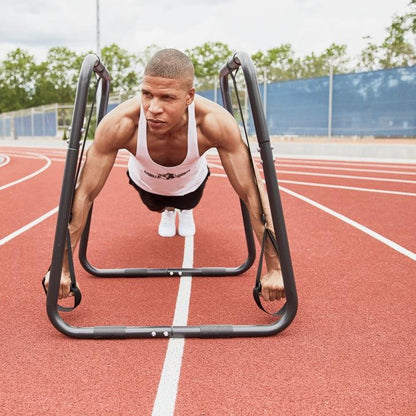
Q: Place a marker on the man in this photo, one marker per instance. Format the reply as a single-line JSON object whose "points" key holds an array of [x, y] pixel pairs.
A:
{"points": [[167, 131]]}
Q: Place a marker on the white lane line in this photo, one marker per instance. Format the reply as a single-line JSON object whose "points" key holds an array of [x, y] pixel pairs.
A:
{"points": [[324, 185], [335, 164], [396, 172], [347, 159], [28, 226], [350, 188], [25, 155], [343, 162], [370, 178], [165, 401], [6, 160], [329, 175], [354, 224], [349, 221], [214, 165], [25, 178]]}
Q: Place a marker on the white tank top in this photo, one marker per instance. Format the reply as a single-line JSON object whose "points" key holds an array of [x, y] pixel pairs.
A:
{"points": [[176, 180]]}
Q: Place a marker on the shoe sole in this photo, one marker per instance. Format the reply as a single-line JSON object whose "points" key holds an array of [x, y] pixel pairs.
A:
{"points": [[182, 234], [167, 235]]}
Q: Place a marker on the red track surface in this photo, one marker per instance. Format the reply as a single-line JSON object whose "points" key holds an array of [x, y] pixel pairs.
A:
{"points": [[350, 351]]}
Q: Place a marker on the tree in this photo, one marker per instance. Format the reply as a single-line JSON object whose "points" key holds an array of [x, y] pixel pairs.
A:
{"points": [[17, 80], [396, 50], [57, 77], [277, 64], [123, 69], [398, 47], [318, 65], [208, 59]]}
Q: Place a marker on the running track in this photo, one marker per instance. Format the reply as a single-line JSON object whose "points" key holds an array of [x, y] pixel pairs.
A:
{"points": [[350, 351]]}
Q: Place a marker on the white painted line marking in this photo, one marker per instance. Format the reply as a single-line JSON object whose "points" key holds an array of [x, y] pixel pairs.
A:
{"points": [[214, 165], [6, 160], [349, 221], [296, 165], [25, 178], [354, 224], [371, 163], [344, 159], [165, 401], [28, 226], [324, 185], [329, 175], [350, 188]]}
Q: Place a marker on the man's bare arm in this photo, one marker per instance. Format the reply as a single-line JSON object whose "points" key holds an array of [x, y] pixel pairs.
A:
{"points": [[110, 135], [235, 159]]}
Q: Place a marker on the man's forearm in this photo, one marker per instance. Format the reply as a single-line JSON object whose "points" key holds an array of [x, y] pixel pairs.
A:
{"points": [[80, 209], [270, 253]]}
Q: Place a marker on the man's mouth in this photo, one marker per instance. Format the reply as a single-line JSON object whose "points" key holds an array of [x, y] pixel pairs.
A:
{"points": [[155, 121]]}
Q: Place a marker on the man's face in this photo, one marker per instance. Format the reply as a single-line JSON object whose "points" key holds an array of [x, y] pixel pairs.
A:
{"points": [[164, 102]]}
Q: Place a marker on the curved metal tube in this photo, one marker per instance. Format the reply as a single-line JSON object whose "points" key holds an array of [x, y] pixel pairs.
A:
{"points": [[92, 64]]}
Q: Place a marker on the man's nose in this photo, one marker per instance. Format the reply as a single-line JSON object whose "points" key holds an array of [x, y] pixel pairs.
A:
{"points": [[155, 106]]}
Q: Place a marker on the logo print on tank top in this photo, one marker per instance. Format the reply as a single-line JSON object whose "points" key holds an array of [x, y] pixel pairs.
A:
{"points": [[166, 176]]}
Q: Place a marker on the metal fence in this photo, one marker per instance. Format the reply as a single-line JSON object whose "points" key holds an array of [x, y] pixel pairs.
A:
{"points": [[377, 103], [44, 121], [36, 121]]}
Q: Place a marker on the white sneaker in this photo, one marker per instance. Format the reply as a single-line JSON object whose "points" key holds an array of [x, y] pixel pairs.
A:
{"points": [[167, 226], [186, 223]]}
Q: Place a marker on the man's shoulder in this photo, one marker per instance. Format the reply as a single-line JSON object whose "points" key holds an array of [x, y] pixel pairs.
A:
{"points": [[129, 109], [214, 121], [204, 107], [120, 124]]}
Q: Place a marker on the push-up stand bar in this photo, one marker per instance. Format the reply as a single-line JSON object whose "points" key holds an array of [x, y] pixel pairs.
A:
{"points": [[287, 313]]}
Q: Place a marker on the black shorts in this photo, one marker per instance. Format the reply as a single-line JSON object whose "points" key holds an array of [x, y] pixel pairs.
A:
{"points": [[159, 202]]}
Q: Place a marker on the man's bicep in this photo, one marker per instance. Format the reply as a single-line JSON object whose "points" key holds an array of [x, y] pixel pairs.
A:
{"points": [[225, 132], [237, 166], [97, 167]]}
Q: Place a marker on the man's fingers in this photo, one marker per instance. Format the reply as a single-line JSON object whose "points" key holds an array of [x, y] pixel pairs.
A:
{"points": [[264, 294], [272, 294], [64, 287], [65, 290]]}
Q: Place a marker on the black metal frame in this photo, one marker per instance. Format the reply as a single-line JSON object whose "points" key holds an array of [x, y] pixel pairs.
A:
{"points": [[92, 64], [169, 272]]}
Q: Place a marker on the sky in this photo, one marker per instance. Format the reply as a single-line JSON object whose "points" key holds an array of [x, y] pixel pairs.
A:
{"points": [[247, 25]]}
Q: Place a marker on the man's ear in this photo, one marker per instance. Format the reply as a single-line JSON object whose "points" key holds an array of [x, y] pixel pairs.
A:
{"points": [[190, 97]]}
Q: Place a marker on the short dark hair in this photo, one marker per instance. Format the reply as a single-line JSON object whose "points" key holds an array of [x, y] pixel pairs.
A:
{"points": [[170, 63]]}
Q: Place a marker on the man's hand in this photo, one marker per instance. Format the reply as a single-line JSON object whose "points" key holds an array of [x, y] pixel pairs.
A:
{"points": [[272, 287], [65, 286]]}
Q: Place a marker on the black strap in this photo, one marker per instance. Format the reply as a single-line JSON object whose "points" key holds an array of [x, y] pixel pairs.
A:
{"points": [[267, 232], [257, 288], [263, 217], [74, 288]]}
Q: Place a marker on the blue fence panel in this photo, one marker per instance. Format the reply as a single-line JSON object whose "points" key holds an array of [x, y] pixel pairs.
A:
{"points": [[210, 95], [5, 127], [38, 125], [378, 103], [298, 107], [23, 126], [50, 123]]}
